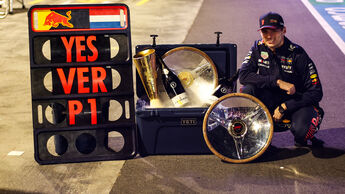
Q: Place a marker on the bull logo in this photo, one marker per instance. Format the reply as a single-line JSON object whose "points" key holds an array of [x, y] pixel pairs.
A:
{"points": [[55, 19], [237, 128], [273, 21]]}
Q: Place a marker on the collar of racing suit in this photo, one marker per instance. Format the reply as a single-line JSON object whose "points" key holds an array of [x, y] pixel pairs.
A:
{"points": [[284, 48]]}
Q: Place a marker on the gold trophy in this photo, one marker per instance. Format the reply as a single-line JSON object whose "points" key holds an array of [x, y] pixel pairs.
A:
{"points": [[145, 62]]}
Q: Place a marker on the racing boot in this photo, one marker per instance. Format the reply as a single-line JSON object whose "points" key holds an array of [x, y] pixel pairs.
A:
{"points": [[301, 143], [317, 143]]}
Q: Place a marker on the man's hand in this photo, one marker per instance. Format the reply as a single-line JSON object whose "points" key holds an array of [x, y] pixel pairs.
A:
{"points": [[288, 87], [277, 115]]}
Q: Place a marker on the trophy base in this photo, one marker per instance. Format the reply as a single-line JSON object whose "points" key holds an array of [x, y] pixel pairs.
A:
{"points": [[156, 103]]}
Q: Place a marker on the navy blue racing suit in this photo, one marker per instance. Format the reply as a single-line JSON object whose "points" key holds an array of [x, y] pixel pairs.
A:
{"points": [[290, 63]]}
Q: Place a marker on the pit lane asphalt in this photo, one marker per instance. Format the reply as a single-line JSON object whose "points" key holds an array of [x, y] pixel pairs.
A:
{"points": [[283, 168]]}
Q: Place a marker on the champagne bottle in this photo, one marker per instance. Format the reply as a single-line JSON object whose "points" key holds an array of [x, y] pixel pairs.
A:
{"points": [[173, 86], [224, 87], [188, 77]]}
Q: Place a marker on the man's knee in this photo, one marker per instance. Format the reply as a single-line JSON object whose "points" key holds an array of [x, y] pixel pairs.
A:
{"points": [[249, 89], [264, 95]]}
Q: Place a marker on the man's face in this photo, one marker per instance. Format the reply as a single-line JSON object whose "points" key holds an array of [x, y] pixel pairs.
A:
{"points": [[273, 38]]}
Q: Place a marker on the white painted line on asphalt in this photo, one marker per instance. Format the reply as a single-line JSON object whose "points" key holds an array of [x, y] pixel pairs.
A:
{"points": [[334, 36], [35, 1], [142, 2], [15, 153]]}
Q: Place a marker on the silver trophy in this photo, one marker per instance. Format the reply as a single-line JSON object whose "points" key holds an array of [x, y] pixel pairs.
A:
{"points": [[238, 128]]}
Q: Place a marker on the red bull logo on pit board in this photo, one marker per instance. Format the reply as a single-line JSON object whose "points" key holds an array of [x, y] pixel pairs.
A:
{"points": [[55, 19]]}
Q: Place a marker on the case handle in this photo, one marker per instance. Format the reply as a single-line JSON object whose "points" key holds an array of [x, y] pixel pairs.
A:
{"points": [[218, 37], [154, 36]]}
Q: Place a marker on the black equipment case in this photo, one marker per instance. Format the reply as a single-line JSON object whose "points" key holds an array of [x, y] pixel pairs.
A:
{"points": [[179, 130]]}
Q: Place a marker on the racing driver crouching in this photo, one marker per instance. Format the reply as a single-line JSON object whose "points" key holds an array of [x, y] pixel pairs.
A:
{"points": [[285, 79]]}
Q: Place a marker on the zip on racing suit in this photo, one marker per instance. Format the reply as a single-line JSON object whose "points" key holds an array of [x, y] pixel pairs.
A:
{"points": [[290, 63]]}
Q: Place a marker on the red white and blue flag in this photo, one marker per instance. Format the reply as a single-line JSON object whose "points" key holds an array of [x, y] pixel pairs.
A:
{"points": [[106, 18]]}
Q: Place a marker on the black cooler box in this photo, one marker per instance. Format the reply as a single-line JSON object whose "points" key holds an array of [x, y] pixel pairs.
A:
{"points": [[178, 130]]}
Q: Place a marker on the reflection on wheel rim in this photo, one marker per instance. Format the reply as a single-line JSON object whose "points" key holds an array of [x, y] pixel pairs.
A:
{"points": [[238, 128]]}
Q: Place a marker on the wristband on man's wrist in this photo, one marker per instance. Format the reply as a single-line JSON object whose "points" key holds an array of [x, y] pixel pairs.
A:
{"points": [[281, 109]]}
